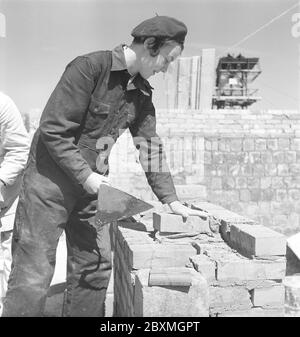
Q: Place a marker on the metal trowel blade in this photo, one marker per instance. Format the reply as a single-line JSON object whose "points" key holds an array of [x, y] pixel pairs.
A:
{"points": [[114, 204]]}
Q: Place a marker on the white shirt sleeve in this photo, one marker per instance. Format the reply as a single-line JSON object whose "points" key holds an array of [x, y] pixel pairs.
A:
{"points": [[14, 146]]}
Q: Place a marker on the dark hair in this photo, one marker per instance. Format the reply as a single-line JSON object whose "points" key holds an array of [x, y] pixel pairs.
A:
{"points": [[157, 43]]}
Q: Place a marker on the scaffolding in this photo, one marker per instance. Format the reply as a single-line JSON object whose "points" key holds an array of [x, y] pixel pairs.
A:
{"points": [[234, 76]]}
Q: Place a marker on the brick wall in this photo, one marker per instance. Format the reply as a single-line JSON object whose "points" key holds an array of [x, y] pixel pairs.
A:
{"points": [[237, 273], [247, 161]]}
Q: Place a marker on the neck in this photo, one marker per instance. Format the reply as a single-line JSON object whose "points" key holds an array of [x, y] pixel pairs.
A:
{"points": [[131, 60]]}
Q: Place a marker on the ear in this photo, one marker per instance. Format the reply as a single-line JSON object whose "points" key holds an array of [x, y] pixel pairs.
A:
{"points": [[149, 44]]}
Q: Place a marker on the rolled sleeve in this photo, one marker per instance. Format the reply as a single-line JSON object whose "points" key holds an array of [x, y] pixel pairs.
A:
{"points": [[63, 115], [152, 156]]}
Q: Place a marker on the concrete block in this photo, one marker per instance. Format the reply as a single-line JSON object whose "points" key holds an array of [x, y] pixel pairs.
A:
{"points": [[270, 296], [158, 255], [170, 301], [173, 223], [204, 265], [257, 240]]}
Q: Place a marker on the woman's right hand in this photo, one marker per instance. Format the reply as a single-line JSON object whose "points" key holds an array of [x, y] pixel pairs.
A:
{"points": [[93, 182]]}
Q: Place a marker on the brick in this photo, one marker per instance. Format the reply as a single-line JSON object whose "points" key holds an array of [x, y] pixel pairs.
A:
{"points": [[214, 145], [224, 146], [295, 169], [268, 195], [163, 301], [257, 240], [295, 144], [277, 182], [207, 145], [265, 182], [253, 182], [234, 170], [207, 157], [283, 169], [173, 223], [281, 195], [234, 298], [266, 157], [159, 255], [256, 194], [217, 158], [254, 312], [235, 268], [271, 170], [245, 195], [271, 296], [228, 183], [236, 145], [204, 265], [278, 157], [216, 183], [258, 170], [248, 144], [292, 292], [272, 144], [260, 144], [290, 157], [254, 157], [283, 144], [241, 182]]}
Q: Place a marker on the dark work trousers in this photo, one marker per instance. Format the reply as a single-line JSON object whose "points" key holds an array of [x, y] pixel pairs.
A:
{"points": [[49, 203]]}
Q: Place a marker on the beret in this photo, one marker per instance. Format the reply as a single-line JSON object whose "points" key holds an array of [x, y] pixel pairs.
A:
{"points": [[161, 26]]}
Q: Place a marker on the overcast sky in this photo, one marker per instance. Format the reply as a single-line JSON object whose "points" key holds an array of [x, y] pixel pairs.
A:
{"points": [[43, 36]]}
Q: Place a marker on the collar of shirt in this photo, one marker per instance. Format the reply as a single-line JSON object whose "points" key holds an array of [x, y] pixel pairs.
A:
{"points": [[136, 81]]}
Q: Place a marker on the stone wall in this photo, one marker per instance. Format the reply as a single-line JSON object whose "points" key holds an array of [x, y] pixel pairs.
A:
{"points": [[237, 273], [247, 161]]}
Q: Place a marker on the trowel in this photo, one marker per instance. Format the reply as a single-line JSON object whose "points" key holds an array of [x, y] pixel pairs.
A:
{"points": [[114, 204]]}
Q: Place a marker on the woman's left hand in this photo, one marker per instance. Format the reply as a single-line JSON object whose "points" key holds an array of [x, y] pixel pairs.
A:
{"points": [[184, 211]]}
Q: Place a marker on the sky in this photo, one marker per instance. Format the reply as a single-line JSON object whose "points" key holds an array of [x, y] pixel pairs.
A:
{"points": [[43, 36]]}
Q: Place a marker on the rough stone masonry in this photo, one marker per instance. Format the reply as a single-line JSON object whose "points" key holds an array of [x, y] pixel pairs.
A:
{"points": [[237, 271]]}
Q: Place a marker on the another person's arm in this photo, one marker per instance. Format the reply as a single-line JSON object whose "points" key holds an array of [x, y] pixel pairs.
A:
{"points": [[14, 143]]}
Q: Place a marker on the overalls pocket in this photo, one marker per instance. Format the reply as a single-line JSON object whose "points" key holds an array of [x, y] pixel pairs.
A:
{"points": [[97, 114]]}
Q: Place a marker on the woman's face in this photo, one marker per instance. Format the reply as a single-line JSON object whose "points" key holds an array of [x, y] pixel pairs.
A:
{"points": [[150, 65]]}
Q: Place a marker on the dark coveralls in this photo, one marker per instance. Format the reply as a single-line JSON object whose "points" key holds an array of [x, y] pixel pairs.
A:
{"points": [[92, 100]]}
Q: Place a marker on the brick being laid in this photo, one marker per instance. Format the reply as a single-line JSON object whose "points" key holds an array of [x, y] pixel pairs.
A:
{"points": [[173, 223], [257, 240]]}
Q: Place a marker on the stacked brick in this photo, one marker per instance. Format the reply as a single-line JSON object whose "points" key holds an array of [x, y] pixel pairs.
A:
{"points": [[245, 269], [237, 273], [136, 254]]}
